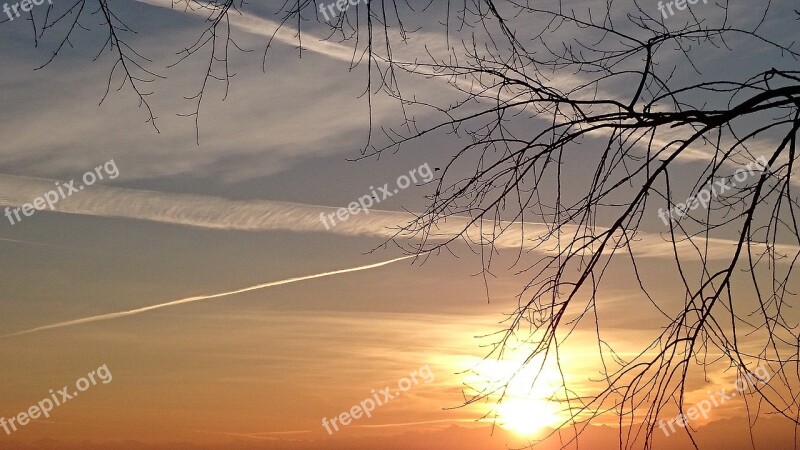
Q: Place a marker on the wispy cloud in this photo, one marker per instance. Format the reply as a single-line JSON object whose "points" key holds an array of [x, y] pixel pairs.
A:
{"points": [[223, 214], [253, 24], [415, 51]]}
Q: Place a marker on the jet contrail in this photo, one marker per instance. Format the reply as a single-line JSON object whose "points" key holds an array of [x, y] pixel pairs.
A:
{"points": [[204, 297]]}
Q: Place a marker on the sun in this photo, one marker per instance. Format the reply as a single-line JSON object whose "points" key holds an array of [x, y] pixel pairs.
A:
{"points": [[527, 417], [527, 406]]}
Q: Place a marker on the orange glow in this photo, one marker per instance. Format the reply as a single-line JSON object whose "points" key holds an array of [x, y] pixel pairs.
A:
{"points": [[527, 405]]}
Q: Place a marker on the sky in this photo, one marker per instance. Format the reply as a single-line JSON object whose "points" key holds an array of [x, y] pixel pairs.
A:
{"points": [[198, 277]]}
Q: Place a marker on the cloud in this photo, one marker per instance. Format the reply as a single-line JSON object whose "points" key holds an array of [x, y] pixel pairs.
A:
{"points": [[259, 215], [414, 54]]}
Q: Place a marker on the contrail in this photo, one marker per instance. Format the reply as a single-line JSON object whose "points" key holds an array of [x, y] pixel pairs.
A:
{"points": [[198, 298]]}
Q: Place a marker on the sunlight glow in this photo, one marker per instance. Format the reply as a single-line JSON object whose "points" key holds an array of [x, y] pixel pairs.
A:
{"points": [[527, 406], [527, 417]]}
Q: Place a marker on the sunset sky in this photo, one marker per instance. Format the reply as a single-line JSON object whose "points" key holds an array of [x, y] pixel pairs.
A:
{"points": [[262, 367]]}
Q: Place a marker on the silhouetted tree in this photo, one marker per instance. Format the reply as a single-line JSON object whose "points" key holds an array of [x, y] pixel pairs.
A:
{"points": [[600, 84]]}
